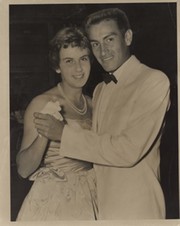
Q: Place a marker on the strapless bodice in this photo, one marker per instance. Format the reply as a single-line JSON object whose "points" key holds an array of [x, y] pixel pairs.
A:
{"points": [[56, 165]]}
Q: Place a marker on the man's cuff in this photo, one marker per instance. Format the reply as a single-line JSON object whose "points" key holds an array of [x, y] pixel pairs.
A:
{"points": [[71, 142], [68, 140], [64, 139]]}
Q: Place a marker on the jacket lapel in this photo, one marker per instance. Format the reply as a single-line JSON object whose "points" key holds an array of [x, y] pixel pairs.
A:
{"points": [[96, 105], [100, 111], [125, 77]]}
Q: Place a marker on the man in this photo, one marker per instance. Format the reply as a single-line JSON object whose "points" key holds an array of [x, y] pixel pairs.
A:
{"points": [[128, 114]]}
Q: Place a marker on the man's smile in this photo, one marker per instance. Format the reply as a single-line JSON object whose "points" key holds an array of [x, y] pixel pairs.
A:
{"points": [[107, 58]]}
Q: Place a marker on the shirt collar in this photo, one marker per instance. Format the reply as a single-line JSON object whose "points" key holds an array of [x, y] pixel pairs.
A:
{"points": [[118, 73]]}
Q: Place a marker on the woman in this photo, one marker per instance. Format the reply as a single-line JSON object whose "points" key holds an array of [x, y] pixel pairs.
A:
{"points": [[63, 189]]}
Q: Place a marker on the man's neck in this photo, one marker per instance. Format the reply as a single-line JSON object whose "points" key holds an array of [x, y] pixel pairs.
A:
{"points": [[126, 59]]}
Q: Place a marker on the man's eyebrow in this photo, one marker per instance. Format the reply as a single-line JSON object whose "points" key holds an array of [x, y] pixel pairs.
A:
{"points": [[67, 58], [105, 37], [93, 40]]}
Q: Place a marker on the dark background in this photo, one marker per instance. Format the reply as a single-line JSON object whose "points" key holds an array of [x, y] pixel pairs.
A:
{"points": [[154, 43]]}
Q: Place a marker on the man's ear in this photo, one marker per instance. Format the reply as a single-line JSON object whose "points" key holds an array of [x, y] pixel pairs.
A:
{"points": [[128, 37], [58, 71]]}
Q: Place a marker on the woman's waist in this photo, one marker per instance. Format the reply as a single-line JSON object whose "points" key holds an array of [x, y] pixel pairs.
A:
{"points": [[60, 172], [66, 164]]}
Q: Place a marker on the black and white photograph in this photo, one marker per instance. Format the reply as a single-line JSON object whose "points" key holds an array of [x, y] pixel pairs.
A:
{"points": [[92, 111]]}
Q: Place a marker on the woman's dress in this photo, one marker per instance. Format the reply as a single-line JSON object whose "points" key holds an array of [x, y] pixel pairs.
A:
{"points": [[63, 188]]}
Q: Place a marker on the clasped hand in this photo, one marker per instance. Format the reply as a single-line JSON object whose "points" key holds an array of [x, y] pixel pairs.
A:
{"points": [[48, 126]]}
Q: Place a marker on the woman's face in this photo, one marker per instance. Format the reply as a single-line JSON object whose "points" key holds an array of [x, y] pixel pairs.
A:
{"points": [[74, 66]]}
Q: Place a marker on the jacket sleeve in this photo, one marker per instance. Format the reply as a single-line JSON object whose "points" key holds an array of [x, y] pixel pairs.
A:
{"points": [[128, 147]]}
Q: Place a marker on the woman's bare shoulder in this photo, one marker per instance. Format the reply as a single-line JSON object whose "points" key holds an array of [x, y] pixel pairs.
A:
{"points": [[38, 102]]}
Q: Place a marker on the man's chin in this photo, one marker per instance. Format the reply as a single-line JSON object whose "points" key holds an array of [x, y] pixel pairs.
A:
{"points": [[108, 68]]}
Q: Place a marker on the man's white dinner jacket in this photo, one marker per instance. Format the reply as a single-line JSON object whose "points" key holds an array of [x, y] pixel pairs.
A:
{"points": [[127, 117]]}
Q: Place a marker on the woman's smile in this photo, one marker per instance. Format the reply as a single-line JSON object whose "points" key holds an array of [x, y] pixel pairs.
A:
{"points": [[79, 76]]}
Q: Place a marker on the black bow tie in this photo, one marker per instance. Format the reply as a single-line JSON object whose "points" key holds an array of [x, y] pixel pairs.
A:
{"points": [[108, 77]]}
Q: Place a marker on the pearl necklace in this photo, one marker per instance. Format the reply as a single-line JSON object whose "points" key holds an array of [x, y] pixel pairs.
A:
{"points": [[79, 111]]}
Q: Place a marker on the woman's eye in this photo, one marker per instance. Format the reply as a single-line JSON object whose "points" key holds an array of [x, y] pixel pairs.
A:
{"points": [[85, 58], [69, 61]]}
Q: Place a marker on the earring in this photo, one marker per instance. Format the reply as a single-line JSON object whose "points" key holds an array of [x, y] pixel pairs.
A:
{"points": [[58, 71]]}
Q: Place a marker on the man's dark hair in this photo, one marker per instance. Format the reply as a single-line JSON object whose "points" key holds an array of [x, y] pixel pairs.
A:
{"points": [[109, 14]]}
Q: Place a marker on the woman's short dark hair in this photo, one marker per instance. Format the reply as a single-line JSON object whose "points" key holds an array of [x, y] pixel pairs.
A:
{"points": [[109, 14], [68, 36]]}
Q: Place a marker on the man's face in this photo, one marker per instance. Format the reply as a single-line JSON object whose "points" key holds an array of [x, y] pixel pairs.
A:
{"points": [[108, 45]]}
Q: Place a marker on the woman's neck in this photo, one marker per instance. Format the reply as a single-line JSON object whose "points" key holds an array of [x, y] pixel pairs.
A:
{"points": [[73, 94], [74, 98]]}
